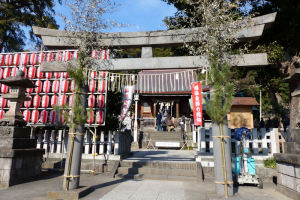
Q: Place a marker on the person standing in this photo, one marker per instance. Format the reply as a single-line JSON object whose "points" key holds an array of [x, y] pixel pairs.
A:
{"points": [[158, 121], [169, 122]]}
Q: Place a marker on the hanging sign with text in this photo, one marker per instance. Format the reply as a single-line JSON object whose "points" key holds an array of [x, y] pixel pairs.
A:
{"points": [[197, 103], [127, 99]]}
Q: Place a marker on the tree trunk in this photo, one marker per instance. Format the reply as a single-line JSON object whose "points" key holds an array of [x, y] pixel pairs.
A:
{"points": [[74, 153], [222, 165]]}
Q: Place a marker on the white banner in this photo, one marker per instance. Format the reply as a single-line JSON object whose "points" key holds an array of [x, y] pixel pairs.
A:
{"points": [[127, 99]]}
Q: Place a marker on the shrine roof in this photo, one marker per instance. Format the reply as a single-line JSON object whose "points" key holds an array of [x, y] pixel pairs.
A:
{"points": [[244, 101]]}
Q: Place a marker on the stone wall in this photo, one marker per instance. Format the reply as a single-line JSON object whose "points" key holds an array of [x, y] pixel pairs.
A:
{"points": [[288, 179]]}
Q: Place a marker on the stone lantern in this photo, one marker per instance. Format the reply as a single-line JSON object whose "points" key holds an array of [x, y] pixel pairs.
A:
{"points": [[288, 163], [16, 96], [19, 158]]}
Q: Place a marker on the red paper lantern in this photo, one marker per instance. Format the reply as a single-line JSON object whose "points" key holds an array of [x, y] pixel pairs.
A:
{"points": [[58, 56], [93, 74], [34, 116], [56, 75], [52, 117], [45, 101], [27, 104], [1, 73], [64, 86], [49, 57], [29, 90], [8, 59], [92, 85], [48, 75], [75, 54], [26, 115], [64, 74], [100, 117], [95, 54], [47, 86], [90, 117], [33, 59], [1, 114], [31, 72], [71, 100], [72, 86], [38, 87], [101, 86], [41, 57], [14, 71], [2, 59], [16, 60], [62, 100], [54, 101], [67, 55], [100, 101], [44, 116], [25, 58], [55, 86], [91, 101], [36, 101], [3, 102], [4, 89], [6, 72], [39, 73]]}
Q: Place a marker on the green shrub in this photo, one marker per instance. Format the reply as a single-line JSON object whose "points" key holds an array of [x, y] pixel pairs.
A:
{"points": [[270, 163]]}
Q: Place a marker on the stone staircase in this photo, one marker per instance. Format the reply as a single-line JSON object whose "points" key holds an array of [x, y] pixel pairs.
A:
{"points": [[163, 139], [162, 170]]}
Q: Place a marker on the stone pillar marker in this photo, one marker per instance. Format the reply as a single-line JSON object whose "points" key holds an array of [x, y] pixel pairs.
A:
{"points": [[288, 163], [19, 158]]}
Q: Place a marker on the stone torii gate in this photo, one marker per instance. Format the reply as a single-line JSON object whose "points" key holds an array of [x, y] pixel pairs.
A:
{"points": [[59, 40]]}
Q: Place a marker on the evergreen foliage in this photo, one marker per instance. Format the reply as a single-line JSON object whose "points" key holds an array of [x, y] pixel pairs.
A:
{"points": [[18, 13], [280, 41], [221, 97]]}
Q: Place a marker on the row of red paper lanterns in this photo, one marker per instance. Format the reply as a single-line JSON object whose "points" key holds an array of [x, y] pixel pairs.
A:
{"points": [[56, 86], [46, 117], [35, 72], [45, 101], [15, 59]]}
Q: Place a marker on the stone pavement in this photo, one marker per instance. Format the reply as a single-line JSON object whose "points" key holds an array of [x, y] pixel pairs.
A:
{"points": [[107, 188], [181, 190]]}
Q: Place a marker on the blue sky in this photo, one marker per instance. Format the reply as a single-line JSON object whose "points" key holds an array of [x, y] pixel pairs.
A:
{"points": [[141, 15]]}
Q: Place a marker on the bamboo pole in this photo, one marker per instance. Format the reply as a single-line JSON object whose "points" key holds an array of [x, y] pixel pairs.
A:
{"points": [[223, 160]]}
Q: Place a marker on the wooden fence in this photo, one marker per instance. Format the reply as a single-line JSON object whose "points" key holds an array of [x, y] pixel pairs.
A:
{"points": [[262, 144], [108, 145]]}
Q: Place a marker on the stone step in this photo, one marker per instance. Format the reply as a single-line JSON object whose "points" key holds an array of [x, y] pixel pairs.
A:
{"points": [[160, 165], [157, 171], [157, 177], [165, 136]]}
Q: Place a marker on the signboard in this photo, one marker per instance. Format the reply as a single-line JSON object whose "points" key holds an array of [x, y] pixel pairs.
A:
{"points": [[127, 99], [197, 104]]}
